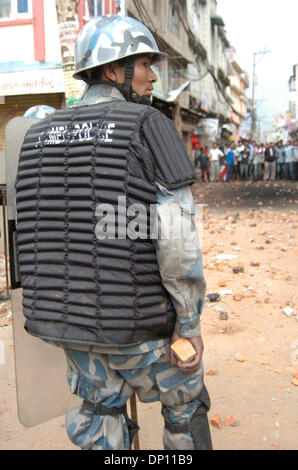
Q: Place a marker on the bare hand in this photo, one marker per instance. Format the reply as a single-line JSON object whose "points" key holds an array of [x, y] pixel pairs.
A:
{"points": [[191, 366]]}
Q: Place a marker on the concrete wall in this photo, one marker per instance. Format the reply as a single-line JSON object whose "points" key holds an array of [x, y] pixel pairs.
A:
{"points": [[1, 232], [53, 53], [296, 92], [19, 39], [2, 167], [160, 21], [19, 43], [199, 19]]}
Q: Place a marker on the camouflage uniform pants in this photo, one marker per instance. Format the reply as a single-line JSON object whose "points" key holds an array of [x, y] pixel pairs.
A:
{"points": [[109, 380]]}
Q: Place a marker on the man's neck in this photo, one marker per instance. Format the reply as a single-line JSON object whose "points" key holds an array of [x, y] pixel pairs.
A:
{"points": [[99, 93]]}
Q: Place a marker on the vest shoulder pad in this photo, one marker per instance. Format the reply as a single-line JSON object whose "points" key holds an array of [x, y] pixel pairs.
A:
{"points": [[172, 165]]}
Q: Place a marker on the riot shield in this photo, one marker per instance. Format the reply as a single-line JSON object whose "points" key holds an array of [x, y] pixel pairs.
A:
{"points": [[40, 368]]}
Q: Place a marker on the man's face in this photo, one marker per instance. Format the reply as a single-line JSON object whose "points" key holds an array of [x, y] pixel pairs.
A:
{"points": [[144, 77]]}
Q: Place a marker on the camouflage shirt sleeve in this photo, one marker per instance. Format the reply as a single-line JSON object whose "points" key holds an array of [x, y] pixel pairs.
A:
{"points": [[179, 257]]}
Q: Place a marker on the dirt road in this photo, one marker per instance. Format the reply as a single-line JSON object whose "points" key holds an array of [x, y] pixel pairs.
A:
{"points": [[250, 333]]}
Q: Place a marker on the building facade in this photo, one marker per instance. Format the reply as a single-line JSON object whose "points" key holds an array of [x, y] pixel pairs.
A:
{"points": [[239, 83], [37, 64], [166, 19], [194, 36], [209, 71], [193, 85], [293, 104], [210, 68], [30, 65]]}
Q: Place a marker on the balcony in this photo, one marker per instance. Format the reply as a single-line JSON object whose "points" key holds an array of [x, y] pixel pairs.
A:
{"points": [[223, 78], [217, 20]]}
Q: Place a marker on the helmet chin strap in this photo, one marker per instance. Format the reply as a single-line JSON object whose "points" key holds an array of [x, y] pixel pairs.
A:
{"points": [[127, 90]]}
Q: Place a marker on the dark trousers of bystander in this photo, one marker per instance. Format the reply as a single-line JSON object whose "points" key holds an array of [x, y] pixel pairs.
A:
{"points": [[204, 175], [244, 170], [257, 171], [291, 171], [280, 171], [230, 172], [250, 170]]}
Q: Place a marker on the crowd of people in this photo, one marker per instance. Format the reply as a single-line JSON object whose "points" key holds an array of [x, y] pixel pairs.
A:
{"points": [[248, 161]]}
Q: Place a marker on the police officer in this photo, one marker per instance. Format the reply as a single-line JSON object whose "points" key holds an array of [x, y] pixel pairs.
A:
{"points": [[97, 280]]}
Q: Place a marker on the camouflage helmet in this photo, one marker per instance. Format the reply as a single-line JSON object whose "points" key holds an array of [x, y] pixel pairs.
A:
{"points": [[39, 111], [109, 38]]}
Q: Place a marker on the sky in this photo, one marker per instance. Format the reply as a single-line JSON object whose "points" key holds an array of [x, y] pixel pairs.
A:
{"points": [[257, 25]]}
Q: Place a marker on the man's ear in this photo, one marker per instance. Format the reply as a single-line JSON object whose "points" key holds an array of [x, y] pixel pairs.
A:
{"points": [[114, 72]]}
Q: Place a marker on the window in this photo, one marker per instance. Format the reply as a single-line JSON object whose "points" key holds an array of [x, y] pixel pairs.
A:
{"points": [[22, 6], [173, 19], [15, 9], [93, 8]]}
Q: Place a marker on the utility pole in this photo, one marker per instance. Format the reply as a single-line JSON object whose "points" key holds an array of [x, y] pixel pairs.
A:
{"points": [[253, 105]]}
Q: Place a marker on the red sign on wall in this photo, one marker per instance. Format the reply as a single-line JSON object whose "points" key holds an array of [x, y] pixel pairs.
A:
{"points": [[38, 81]]}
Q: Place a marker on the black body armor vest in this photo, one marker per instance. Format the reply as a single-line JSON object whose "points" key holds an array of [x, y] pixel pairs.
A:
{"points": [[77, 287]]}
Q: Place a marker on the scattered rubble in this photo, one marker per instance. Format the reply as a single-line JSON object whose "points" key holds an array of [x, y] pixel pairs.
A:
{"points": [[211, 372], [260, 298], [238, 297], [238, 269], [231, 421], [216, 421], [223, 316], [240, 358], [213, 297], [289, 311], [295, 379], [250, 263]]}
